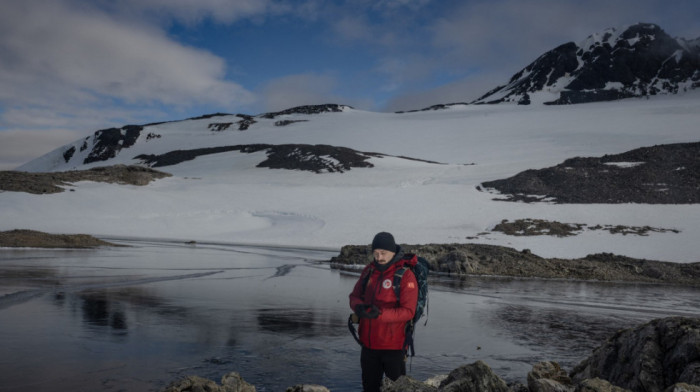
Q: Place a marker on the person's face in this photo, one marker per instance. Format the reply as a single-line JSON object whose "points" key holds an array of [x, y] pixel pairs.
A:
{"points": [[383, 256]]}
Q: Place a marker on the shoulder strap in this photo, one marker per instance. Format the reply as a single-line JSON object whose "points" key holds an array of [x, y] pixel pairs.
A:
{"points": [[397, 282]]}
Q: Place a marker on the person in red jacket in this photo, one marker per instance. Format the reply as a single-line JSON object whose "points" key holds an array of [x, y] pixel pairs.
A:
{"points": [[383, 317]]}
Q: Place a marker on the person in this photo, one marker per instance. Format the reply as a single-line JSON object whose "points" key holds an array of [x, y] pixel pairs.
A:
{"points": [[383, 317]]}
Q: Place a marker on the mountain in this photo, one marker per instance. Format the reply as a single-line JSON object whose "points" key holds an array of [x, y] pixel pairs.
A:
{"points": [[636, 61]]}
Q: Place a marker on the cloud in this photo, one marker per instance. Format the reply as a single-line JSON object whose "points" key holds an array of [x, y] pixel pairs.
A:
{"points": [[54, 56], [302, 89], [192, 12]]}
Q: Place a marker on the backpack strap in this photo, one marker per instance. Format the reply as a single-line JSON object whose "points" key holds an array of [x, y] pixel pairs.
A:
{"points": [[398, 275], [365, 279]]}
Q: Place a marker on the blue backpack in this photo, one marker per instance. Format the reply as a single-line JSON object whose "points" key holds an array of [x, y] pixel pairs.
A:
{"points": [[420, 270]]}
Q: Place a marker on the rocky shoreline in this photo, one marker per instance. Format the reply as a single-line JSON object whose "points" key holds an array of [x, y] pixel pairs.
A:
{"points": [[493, 260], [662, 355], [55, 182], [37, 239]]}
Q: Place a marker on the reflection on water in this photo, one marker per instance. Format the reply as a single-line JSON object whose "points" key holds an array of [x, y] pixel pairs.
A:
{"points": [[137, 318]]}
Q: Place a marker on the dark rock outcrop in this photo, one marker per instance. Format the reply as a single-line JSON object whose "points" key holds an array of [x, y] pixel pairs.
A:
{"points": [[649, 358], [662, 174], [315, 158], [307, 109], [108, 142], [481, 259]]}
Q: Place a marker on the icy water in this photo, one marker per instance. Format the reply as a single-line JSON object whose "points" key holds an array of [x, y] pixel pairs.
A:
{"points": [[139, 317]]}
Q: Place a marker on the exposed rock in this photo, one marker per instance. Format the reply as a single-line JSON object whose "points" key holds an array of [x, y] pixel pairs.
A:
{"points": [[40, 183], [476, 377], [406, 384], [648, 358], [231, 382], [308, 109], [548, 377], [308, 388], [683, 387], [315, 158], [481, 259], [664, 174], [598, 385], [37, 239], [642, 60], [108, 142]]}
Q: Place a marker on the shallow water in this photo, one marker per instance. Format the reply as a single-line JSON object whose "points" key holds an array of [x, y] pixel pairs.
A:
{"points": [[140, 317]]}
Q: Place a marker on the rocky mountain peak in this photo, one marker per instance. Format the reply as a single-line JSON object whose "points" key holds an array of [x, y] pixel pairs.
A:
{"points": [[634, 61]]}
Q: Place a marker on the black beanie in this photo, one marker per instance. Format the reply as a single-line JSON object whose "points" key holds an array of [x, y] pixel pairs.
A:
{"points": [[384, 241]]}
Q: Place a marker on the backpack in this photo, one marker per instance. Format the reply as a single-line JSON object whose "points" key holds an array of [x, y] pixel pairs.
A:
{"points": [[420, 270]]}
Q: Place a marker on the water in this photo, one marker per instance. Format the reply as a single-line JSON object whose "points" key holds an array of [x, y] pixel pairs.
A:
{"points": [[139, 317]]}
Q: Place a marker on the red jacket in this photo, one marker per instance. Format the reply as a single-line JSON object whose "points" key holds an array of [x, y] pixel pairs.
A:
{"points": [[386, 332]]}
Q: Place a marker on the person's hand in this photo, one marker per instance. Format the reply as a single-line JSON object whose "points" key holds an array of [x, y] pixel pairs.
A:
{"points": [[370, 312]]}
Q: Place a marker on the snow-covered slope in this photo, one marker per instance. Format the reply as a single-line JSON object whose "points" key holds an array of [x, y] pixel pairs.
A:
{"points": [[225, 197], [633, 61]]}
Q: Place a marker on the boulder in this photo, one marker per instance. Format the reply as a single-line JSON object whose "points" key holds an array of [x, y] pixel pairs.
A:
{"points": [[598, 385], [683, 387], [548, 377], [648, 358], [308, 388], [406, 384], [231, 382], [475, 377]]}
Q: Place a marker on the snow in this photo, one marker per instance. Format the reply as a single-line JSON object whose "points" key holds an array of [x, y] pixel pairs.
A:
{"points": [[225, 198]]}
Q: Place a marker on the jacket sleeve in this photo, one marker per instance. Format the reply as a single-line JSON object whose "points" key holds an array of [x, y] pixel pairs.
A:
{"points": [[408, 301], [357, 296]]}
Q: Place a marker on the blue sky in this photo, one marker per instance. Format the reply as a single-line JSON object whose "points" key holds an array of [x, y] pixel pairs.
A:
{"points": [[70, 67]]}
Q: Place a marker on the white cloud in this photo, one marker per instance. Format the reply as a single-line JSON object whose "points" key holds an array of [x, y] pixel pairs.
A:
{"points": [[53, 55], [302, 89], [192, 12]]}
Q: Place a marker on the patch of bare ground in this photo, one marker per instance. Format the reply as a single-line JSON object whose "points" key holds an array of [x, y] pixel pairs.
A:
{"points": [[37, 239], [535, 227], [54, 182]]}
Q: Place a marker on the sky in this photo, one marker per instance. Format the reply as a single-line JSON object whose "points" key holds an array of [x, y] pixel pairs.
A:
{"points": [[71, 67]]}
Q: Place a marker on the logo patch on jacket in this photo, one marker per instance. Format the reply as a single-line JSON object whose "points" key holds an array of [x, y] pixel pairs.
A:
{"points": [[386, 284], [411, 285]]}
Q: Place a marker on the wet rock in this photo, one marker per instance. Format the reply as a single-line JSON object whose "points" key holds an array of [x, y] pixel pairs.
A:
{"points": [[231, 382], [475, 377], [649, 358], [548, 377], [683, 387], [598, 385], [407, 384], [308, 388]]}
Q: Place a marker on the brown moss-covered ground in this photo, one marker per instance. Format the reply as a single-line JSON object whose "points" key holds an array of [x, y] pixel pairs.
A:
{"points": [[38, 239], [54, 182]]}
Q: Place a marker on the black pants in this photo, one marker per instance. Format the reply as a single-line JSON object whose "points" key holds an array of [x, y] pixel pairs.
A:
{"points": [[376, 363]]}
